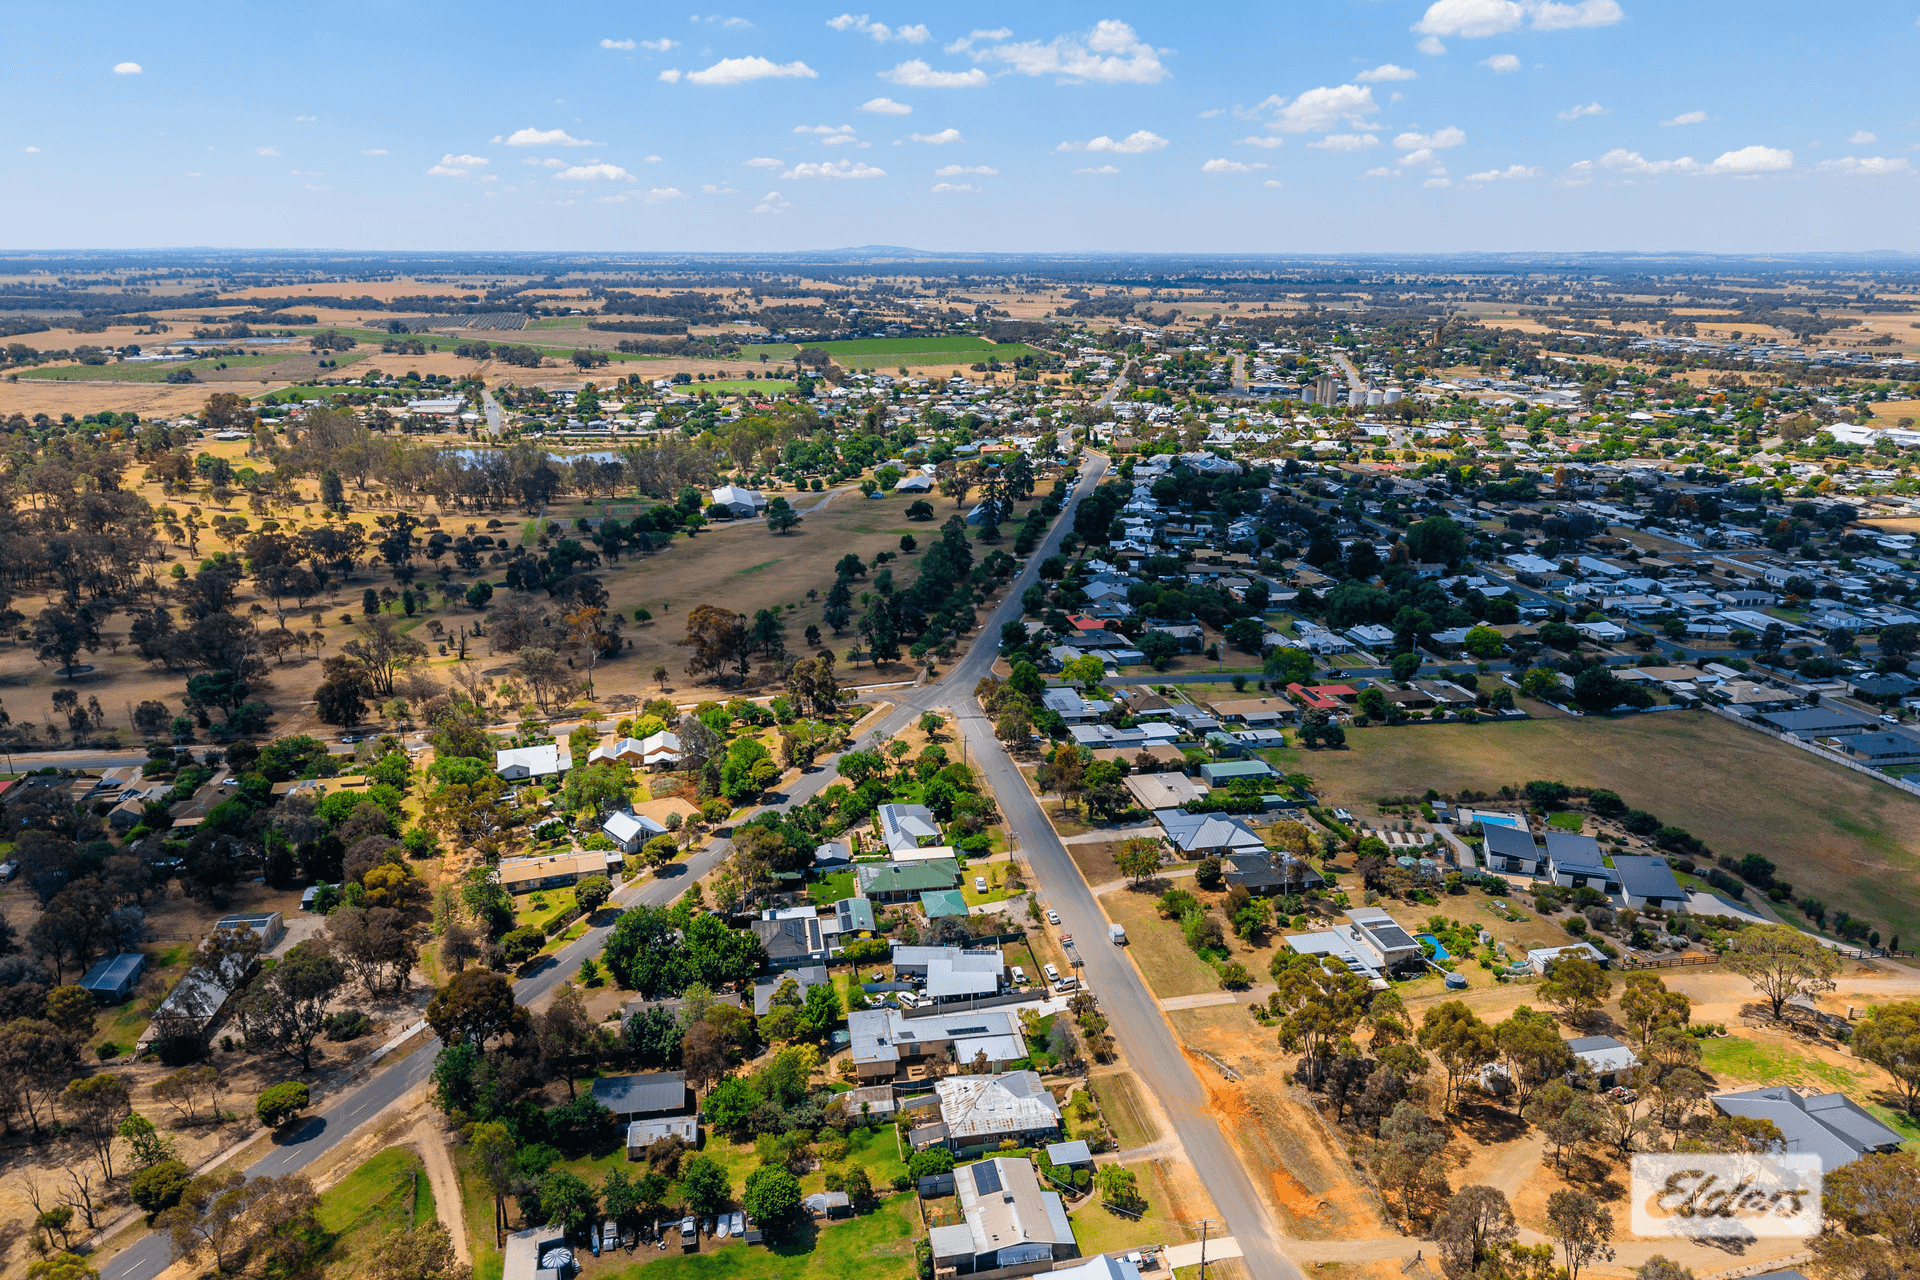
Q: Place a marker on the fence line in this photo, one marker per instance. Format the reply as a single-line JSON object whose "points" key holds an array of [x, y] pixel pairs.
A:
{"points": [[1822, 752]]}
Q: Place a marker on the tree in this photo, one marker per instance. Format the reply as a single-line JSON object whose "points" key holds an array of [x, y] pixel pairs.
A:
{"points": [[148, 1144], [1532, 1051], [493, 1150], [1406, 1157], [1646, 1006], [1476, 1226], [1889, 1037], [1661, 1267], [1781, 963], [1877, 1194], [704, 1185], [1456, 1036], [1139, 858], [1287, 665], [771, 1197], [566, 1201], [781, 517], [286, 1007], [97, 1105], [279, 1103], [1565, 1116], [1087, 672], [1582, 1229], [475, 1007], [718, 638], [158, 1187], [592, 893], [72, 1009], [420, 1252], [1120, 1187], [1437, 540], [60, 633], [1485, 643], [382, 653], [1576, 986]]}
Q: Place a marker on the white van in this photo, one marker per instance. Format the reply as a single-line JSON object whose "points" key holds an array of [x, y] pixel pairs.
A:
{"points": [[1019, 976], [1053, 974]]}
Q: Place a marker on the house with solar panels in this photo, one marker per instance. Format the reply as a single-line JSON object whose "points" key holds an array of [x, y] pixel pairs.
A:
{"points": [[1009, 1222]]}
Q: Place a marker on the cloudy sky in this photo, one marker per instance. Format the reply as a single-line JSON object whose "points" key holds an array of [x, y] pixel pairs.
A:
{"points": [[1342, 126]]}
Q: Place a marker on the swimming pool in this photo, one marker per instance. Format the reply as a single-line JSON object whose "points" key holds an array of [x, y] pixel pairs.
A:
{"points": [[1486, 819], [1439, 951]]}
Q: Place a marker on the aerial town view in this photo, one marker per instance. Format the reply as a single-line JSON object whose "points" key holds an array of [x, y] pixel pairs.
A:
{"points": [[1106, 644]]}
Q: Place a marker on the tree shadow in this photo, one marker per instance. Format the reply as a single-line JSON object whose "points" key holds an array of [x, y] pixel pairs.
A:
{"points": [[797, 1240], [1489, 1124]]}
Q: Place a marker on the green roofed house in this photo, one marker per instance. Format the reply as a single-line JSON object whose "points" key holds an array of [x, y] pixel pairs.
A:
{"points": [[854, 915], [1221, 773], [905, 881], [943, 902]]}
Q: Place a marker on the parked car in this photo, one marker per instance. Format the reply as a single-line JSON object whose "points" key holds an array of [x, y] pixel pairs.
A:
{"points": [[1053, 917], [1053, 973], [1019, 976], [979, 884]]}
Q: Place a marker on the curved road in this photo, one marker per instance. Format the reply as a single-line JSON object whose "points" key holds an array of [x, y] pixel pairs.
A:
{"points": [[1135, 1016]]}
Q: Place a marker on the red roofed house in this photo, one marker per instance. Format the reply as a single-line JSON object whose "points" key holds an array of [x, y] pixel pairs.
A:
{"points": [[1082, 622], [1312, 699]]}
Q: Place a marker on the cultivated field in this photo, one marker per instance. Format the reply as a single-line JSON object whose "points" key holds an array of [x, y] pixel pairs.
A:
{"points": [[1845, 839]]}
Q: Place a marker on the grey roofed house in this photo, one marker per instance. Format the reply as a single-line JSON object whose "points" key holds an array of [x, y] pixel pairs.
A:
{"points": [[908, 826], [643, 1097], [111, 979], [791, 942], [1540, 958], [743, 503], [982, 1111], [1264, 876], [1818, 722], [813, 975], [827, 1204], [952, 972], [832, 854], [1010, 1221], [1070, 1153], [1828, 1125], [884, 1038], [1204, 835], [1648, 882], [1881, 748], [1378, 932], [1511, 850], [1606, 1057], [1576, 861]]}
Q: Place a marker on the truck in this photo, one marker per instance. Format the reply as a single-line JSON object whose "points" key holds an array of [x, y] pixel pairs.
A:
{"points": [[1118, 934]]}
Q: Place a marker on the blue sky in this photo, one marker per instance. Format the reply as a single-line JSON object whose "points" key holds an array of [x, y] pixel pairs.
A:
{"points": [[1344, 126]]}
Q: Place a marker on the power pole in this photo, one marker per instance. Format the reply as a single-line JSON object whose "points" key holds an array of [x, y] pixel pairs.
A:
{"points": [[1204, 1224]]}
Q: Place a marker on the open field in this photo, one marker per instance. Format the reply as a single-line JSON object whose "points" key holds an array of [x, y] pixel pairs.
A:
{"points": [[943, 342], [206, 370], [372, 1201], [1840, 836]]}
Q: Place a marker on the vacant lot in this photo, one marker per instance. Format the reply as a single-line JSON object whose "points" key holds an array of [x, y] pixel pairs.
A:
{"points": [[1842, 837]]}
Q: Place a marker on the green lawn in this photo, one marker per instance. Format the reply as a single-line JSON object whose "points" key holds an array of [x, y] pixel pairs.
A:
{"points": [[1760, 1062], [876, 1246], [124, 1024], [901, 346], [1098, 1229], [1566, 821], [996, 874], [525, 912], [372, 1201], [476, 1204], [743, 386], [158, 371], [829, 889]]}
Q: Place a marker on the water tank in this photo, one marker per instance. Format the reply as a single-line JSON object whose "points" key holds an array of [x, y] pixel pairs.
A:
{"points": [[1456, 981]]}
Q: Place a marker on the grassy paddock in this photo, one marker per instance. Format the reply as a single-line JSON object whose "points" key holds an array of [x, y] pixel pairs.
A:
{"points": [[1833, 833], [372, 1201], [158, 371]]}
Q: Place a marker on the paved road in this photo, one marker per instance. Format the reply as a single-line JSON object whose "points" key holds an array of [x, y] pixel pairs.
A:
{"points": [[23, 761], [496, 417], [1135, 1017]]}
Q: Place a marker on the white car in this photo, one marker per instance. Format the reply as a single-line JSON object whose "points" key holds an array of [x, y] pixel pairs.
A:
{"points": [[1053, 917], [979, 884], [1343, 815]]}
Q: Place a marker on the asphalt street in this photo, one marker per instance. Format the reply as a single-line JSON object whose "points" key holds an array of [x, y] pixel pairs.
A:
{"points": [[1135, 1016]]}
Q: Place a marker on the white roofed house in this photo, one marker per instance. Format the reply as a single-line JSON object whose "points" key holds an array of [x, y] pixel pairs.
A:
{"points": [[908, 826], [979, 1112], [1605, 1056], [631, 830], [617, 750], [743, 503], [547, 760], [1011, 1227], [661, 750]]}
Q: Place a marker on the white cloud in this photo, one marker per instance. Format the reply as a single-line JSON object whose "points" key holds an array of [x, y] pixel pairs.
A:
{"points": [[1387, 71], [965, 42], [741, 70], [825, 130], [373, 151], [544, 138], [266, 151], [545, 163], [1437, 183], [1863, 138], [1319, 110], [916, 74], [1381, 172], [1685, 117], [1111, 53], [657, 194], [1136, 143], [607, 42], [452, 166], [1621, 160], [1346, 142], [127, 68], [650, 160], [1475, 19], [958, 170], [32, 151], [1549, 16], [719, 189], [832, 169], [1501, 63], [1438, 140], [1591, 109], [1867, 166], [1512, 173], [594, 173], [773, 202], [1273, 182], [886, 107], [1264, 142], [1229, 166], [311, 119], [939, 139], [953, 186], [659, 46], [671, 75], [1101, 170], [1432, 46], [763, 162], [1754, 159], [880, 31]]}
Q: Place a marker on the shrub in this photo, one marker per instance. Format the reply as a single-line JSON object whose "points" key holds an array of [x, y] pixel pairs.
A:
{"points": [[159, 1187], [349, 1025], [280, 1103]]}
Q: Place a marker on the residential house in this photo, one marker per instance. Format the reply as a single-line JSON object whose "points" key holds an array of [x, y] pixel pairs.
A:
{"points": [[1371, 635], [1370, 944], [1207, 835], [1188, 636], [627, 751], [1156, 791], [908, 826], [1221, 773], [548, 760], [1648, 882], [268, 926], [1829, 1125], [1009, 1222], [1315, 700], [1070, 1155], [935, 903], [1604, 1056], [113, 978], [1819, 722], [526, 1252], [553, 871], [660, 750], [744, 504], [1881, 749], [644, 1097], [850, 916], [1256, 713], [805, 978], [1601, 632], [832, 856], [952, 973], [1574, 861], [630, 830], [1266, 877], [979, 1112], [885, 1040], [1540, 959], [904, 881], [1511, 850], [1071, 707], [792, 940]]}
